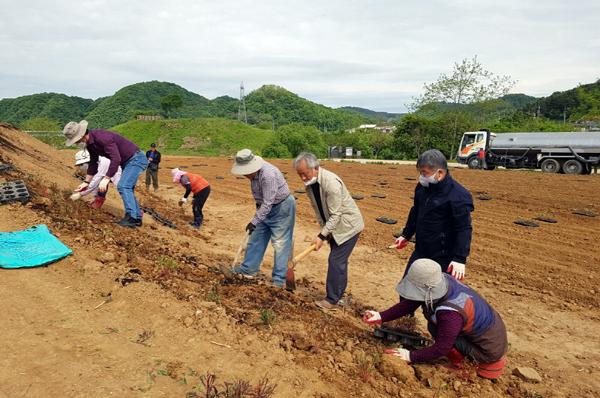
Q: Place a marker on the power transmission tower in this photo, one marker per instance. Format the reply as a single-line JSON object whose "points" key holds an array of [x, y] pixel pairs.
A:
{"points": [[242, 104]]}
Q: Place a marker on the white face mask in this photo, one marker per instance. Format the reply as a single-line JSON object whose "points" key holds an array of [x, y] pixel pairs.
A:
{"points": [[81, 145], [425, 181], [84, 166], [311, 181]]}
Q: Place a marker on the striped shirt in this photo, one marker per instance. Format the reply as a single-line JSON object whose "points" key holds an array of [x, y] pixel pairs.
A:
{"points": [[268, 188]]}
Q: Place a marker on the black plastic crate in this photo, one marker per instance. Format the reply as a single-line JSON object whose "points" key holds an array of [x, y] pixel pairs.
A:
{"points": [[6, 167], [404, 339], [13, 191]]}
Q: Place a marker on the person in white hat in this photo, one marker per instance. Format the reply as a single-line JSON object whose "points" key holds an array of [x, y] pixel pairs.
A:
{"points": [[120, 152], [465, 327], [82, 159], [274, 219]]}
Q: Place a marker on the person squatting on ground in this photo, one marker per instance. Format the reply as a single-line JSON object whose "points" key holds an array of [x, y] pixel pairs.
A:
{"points": [[274, 219], [440, 217], [82, 159], [465, 327], [121, 152], [339, 218], [152, 171], [201, 189]]}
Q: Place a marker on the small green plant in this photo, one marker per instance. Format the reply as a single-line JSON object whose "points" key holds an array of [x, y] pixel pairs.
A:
{"points": [[110, 331], [143, 337], [167, 264], [268, 317], [518, 218], [214, 294], [81, 271], [321, 336], [366, 365], [406, 324], [237, 388], [533, 394], [438, 393]]}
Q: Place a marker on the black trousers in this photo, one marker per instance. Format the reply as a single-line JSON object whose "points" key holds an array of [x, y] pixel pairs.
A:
{"points": [[337, 271], [199, 200]]}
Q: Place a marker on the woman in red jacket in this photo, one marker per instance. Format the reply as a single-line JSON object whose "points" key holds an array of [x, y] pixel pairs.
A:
{"points": [[199, 186]]}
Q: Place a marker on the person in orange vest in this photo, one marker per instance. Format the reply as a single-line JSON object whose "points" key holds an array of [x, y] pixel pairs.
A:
{"points": [[199, 186], [481, 156]]}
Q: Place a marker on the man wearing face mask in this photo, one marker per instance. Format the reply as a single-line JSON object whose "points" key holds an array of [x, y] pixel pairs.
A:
{"points": [[340, 220], [120, 152], [440, 217]]}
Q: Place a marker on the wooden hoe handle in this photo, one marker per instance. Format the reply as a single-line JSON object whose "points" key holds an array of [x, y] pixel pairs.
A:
{"points": [[303, 254]]}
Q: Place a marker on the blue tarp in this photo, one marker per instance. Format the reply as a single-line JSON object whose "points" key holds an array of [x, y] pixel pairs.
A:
{"points": [[30, 248]]}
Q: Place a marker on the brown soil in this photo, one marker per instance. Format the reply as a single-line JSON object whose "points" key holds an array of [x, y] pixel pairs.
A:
{"points": [[114, 319]]}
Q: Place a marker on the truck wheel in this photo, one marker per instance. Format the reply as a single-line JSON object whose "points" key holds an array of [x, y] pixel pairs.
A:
{"points": [[473, 163], [572, 166], [550, 166]]}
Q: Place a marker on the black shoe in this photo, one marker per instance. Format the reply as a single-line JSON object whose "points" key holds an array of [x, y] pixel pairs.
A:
{"points": [[138, 222], [131, 223], [124, 219]]}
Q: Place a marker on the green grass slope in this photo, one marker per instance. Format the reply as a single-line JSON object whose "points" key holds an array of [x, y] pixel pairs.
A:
{"points": [[195, 137]]}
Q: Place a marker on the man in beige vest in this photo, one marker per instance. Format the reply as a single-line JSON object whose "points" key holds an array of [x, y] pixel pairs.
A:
{"points": [[340, 220]]}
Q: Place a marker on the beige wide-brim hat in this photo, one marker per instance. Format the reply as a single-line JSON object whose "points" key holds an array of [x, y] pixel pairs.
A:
{"points": [[246, 162], [74, 131], [423, 282]]}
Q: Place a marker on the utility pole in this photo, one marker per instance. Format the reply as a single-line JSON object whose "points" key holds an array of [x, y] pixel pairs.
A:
{"points": [[242, 104]]}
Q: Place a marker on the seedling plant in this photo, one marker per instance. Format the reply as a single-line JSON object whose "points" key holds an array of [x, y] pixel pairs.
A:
{"points": [[268, 317], [366, 366], [214, 294]]}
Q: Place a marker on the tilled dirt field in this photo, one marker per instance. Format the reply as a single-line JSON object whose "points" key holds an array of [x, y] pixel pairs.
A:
{"points": [[120, 318]]}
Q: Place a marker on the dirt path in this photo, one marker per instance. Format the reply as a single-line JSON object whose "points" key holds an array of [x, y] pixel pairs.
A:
{"points": [[114, 319]]}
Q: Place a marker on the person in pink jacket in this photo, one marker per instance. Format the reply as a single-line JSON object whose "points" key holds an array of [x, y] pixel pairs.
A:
{"points": [[82, 159]]}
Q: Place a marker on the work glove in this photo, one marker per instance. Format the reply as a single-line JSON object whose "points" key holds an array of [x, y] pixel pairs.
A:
{"points": [[90, 200], [182, 201], [457, 270], [250, 228], [401, 242], [373, 318], [400, 353], [75, 196], [103, 185], [82, 187]]}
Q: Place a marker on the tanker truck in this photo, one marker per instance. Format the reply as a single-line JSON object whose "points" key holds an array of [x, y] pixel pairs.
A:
{"points": [[569, 153]]}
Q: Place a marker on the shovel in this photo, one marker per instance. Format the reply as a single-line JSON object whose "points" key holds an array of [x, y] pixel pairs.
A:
{"points": [[385, 248], [228, 271], [290, 280]]}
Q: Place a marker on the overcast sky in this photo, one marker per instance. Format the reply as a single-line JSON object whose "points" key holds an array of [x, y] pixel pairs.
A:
{"points": [[371, 54]]}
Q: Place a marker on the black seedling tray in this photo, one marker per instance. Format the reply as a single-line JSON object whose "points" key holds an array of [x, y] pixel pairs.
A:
{"points": [[392, 168], [386, 220], [79, 176], [13, 191], [550, 220], [584, 214], [378, 196], [6, 167], [484, 197], [169, 167], [410, 179], [202, 164], [195, 165], [300, 191], [383, 183], [527, 223], [155, 215], [220, 178], [357, 198], [183, 167], [241, 178], [404, 339]]}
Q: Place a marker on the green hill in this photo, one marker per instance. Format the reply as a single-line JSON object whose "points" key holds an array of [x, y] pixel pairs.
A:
{"points": [[58, 107], [384, 117], [582, 102], [195, 137]]}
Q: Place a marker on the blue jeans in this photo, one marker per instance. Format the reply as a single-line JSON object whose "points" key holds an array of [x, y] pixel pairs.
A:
{"points": [[278, 227], [132, 169]]}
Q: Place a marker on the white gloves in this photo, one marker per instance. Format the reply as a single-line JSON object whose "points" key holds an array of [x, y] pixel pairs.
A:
{"points": [[400, 353], [372, 318], [401, 242], [75, 196], [90, 200], [103, 185], [457, 270], [82, 187], [183, 200]]}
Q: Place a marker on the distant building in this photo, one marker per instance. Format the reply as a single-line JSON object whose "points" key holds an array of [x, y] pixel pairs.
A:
{"points": [[382, 129], [149, 117]]}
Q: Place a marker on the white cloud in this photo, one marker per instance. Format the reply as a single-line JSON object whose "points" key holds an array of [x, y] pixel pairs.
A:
{"points": [[375, 55]]}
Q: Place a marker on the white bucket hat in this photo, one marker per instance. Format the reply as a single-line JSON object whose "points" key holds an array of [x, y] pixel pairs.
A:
{"points": [[246, 162], [423, 282], [74, 131], [82, 157]]}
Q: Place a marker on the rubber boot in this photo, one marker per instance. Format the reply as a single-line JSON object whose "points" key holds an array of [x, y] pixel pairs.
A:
{"points": [[123, 220], [455, 357], [98, 202], [196, 223], [491, 370]]}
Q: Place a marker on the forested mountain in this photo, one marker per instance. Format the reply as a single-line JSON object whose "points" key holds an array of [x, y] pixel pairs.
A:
{"points": [[383, 117], [269, 104], [582, 102], [58, 107]]}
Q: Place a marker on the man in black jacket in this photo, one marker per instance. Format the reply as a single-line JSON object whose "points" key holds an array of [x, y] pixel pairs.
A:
{"points": [[440, 217], [152, 171]]}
